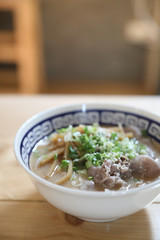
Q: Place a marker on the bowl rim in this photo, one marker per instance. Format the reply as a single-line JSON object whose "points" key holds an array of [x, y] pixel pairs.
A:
{"points": [[90, 193]]}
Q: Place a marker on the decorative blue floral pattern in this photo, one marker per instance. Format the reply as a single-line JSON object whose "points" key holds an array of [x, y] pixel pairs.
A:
{"points": [[49, 125]]}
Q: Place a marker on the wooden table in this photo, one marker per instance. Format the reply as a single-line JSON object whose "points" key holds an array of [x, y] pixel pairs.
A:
{"points": [[24, 214]]}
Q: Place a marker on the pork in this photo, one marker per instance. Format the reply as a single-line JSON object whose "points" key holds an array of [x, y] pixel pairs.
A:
{"points": [[109, 175], [145, 167], [114, 174]]}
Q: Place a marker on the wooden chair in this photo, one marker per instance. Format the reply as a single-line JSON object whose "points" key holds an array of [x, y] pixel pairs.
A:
{"points": [[145, 29], [23, 46]]}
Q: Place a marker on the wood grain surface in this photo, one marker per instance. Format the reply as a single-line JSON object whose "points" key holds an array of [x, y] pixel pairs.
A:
{"points": [[24, 214]]}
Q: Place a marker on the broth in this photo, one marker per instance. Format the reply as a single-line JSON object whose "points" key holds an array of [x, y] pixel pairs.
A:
{"points": [[97, 158]]}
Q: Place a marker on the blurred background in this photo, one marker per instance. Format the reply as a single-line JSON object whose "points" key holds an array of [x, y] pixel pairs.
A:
{"points": [[80, 46]]}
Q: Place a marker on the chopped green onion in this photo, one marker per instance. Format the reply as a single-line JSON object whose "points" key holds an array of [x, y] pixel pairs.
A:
{"points": [[86, 130], [61, 130], [142, 149], [82, 172], [72, 153], [136, 179], [64, 164], [90, 178], [142, 152], [114, 136], [88, 164], [132, 155], [74, 169], [55, 156], [109, 146], [144, 133]]}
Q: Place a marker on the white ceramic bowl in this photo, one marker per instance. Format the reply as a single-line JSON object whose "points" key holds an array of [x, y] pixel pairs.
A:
{"points": [[88, 205]]}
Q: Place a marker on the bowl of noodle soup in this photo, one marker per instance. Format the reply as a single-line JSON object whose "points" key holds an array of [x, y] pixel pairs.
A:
{"points": [[98, 162]]}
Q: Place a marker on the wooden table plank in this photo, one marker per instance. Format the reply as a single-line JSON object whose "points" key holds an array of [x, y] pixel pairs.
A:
{"points": [[40, 220]]}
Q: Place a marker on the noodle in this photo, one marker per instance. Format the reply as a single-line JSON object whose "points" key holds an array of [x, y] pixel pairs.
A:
{"points": [[67, 175], [47, 157], [66, 150], [52, 169], [58, 145]]}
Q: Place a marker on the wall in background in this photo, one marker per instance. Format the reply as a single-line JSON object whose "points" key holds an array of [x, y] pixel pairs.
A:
{"points": [[84, 39]]}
